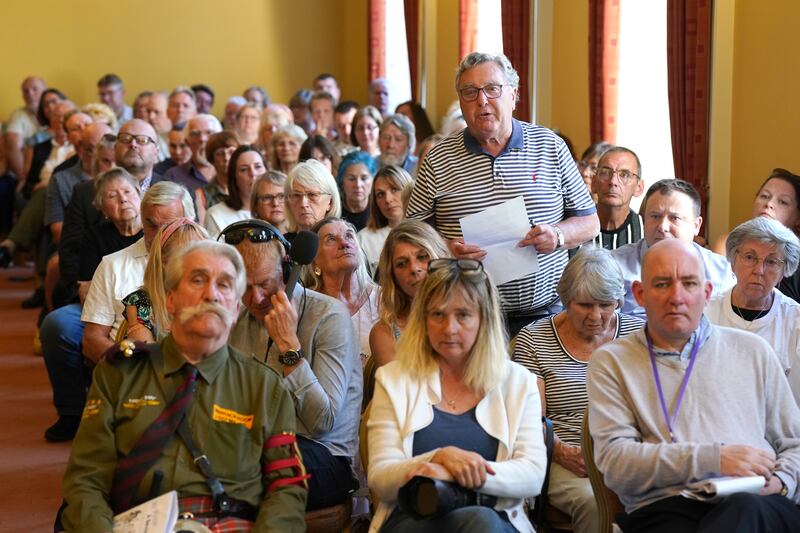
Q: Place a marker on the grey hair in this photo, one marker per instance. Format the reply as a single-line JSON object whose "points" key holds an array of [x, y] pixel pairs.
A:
{"points": [[216, 127], [312, 173], [102, 181], [477, 58], [273, 177], [768, 231], [621, 150], [165, 193], [404, 124], [175, 266], [592, 272]]}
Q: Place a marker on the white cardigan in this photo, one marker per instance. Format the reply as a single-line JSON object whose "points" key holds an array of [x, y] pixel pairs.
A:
{"points": [[510, 412]]}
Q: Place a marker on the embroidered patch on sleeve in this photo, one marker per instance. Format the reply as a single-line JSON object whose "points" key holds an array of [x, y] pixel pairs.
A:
{"points": [[92, 408], [220, 414]]}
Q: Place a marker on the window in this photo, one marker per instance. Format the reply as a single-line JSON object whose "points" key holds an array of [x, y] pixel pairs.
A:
{"points": [[489, 35], [397, 71]]}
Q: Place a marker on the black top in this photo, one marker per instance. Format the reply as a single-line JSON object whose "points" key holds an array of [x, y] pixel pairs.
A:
{"points": [[101, 240], [791, 286], [461, 431], [359, 220]]}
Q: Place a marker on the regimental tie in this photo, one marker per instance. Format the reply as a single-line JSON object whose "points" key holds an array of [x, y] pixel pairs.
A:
{"points": [[132, 468]]}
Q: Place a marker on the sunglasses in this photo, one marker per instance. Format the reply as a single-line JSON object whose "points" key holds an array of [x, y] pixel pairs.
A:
{"points": [[255, 235], [464, 265]]}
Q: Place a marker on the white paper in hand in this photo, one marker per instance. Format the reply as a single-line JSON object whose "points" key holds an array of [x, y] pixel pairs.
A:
{"points": [[153, 516], [497, 230], [715, 489]]}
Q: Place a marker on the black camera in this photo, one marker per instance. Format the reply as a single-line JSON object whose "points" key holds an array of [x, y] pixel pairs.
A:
{"points": [[424, 497]]}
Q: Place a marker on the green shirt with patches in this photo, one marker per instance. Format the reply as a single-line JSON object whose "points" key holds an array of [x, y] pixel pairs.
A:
{"points": [[238, 405]]}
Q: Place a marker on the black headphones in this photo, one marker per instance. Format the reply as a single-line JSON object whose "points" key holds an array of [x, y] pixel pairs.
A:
{"points": [[258, 231]]}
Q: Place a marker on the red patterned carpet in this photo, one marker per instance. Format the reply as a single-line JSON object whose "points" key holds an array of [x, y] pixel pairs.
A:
{"points": [[30, 468]]}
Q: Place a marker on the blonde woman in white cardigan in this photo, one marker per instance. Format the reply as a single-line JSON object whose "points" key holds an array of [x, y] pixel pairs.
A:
{"points": [[454, 407]]}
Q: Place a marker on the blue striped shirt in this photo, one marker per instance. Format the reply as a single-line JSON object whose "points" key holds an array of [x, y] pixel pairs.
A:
{"points": [[458, 178]]}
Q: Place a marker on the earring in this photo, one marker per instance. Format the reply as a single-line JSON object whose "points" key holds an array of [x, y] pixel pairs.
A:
{"points": [[317, 271]]}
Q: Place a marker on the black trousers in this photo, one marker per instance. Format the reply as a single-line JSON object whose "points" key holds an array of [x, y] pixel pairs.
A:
{"points": [[332, 480], [738, 513]]}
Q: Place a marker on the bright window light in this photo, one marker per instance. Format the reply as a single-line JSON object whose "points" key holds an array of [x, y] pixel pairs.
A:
{"points": [[489, 38], [397, 71]]}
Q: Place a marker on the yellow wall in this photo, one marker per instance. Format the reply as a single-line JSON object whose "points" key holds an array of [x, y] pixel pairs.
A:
{"points": [[154, 44], [766, 107]]}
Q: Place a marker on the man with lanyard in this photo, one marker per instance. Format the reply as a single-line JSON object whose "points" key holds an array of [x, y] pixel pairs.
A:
{"points": [[682, 400], [189, 414], [496, 159]]}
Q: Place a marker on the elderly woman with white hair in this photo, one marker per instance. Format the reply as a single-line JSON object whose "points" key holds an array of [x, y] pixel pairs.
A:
{"points": [[761, 252], [312, 195], [397, 138], [557, 350], [285, 147]]}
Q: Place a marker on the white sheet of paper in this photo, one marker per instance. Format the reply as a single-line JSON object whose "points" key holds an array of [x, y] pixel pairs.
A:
{"points": [[497, 230]]}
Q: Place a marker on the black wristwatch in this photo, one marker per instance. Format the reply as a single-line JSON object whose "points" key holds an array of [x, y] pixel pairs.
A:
{"points": [[290, 357]]}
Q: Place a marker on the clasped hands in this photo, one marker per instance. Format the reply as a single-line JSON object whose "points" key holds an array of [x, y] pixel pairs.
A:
{"points": [[740, 460], [468, 469]]}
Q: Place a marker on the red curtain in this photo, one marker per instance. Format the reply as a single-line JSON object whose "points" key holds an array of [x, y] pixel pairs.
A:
{"points": [[516, 15], [603, 69], [411, 9], [376, 34], [468, 27], [688, 74]]}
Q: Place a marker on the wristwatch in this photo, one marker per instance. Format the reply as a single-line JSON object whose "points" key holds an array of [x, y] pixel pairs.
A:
{"points": [[290, 357], [559, 237], [784, 489]]}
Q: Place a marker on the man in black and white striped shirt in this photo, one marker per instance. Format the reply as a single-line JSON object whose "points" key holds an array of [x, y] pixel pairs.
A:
{"points": [[495, 159], [618, 178]]}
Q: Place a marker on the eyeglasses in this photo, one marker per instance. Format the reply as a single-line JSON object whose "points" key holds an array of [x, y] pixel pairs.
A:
{"points": [[366, 127], [492, 91], [750, 259], [584, 166], [464, 265], [313, 196], [625, 176], [271, 198], [255, 235], [141, 140]]}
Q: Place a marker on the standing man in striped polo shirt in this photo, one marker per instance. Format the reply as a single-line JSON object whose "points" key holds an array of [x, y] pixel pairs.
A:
{"points": [[495, 159], [618, 179]]}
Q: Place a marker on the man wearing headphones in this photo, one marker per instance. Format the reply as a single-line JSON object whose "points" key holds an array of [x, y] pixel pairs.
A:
{"points": [[310, 341]]}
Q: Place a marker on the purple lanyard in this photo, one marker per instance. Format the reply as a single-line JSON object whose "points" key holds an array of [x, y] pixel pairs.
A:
{"points": [[684, 383]]}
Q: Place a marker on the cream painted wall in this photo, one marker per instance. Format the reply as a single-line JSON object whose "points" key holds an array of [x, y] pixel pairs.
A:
{"points": [[157, 45]]}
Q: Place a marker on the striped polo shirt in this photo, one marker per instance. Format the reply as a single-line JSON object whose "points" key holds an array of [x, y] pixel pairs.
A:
{"points": [[458, 178]]}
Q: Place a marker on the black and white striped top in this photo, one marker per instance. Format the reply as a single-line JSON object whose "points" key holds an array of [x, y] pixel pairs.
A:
{"points": [[458, 179], [629, 232], [539, 349]]}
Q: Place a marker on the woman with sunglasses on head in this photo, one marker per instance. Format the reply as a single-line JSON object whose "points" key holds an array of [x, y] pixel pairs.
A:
{"points": [[557, 350], [312, 195], [761, 252], [245, 167], [408, 249], [454, 389]]}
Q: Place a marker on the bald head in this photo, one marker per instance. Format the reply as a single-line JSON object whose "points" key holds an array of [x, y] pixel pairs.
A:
{"points": [[133, 152], [670, 249], [32, 89]]}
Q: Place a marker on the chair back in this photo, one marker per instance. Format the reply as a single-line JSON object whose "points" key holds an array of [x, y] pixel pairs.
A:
{"points": [[608, 503]]}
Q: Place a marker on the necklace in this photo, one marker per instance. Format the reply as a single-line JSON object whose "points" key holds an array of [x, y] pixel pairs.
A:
{"points": [[452, 402], [749, 323]]}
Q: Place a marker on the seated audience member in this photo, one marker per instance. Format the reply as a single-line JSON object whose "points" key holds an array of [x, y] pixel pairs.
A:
{"points": [[198, 171], [219, 149], [409, 247], [364, 132], [339, 271], [23, 124], [417, 115], [274, 117], [312, 195], [762, 251], [301, 112], [617, 179], [386, 211], [378, 95], [245, 167], [671, 210], [453, 407], [328, 83], [285, 147], [310, 342], [140, 105], [146, 307], [182, 106], [269, 200], [179, 152], [249, 449], [343, 122], [204, 97], [557, 350], [397, 140], [426, 146], [319, 148], [41, 158], [232, 107], [587, 165], [248, 123], [321, 107], [731, 412], [111, 92], [453, 120], [156, 110], [102, 113], [257, 96], [355, 182]]}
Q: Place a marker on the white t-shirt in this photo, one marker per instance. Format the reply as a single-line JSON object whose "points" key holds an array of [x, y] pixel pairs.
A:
{"points": [[363, 321], [371, 242], [219, 216]]}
